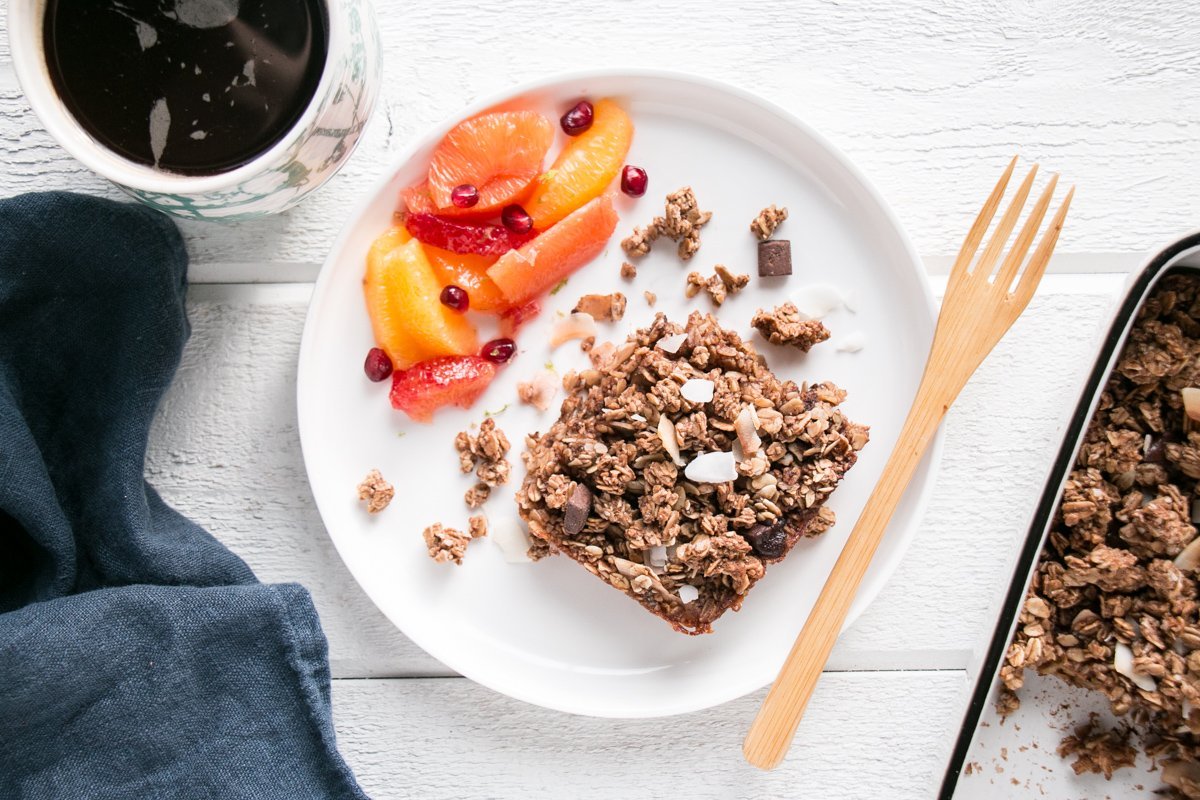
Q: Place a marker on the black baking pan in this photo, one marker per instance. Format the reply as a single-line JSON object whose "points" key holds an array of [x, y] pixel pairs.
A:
{"points": [[968, 751]]}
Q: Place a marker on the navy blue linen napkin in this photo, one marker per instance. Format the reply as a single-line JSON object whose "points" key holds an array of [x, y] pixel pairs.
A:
{"points": [[138, 657]]}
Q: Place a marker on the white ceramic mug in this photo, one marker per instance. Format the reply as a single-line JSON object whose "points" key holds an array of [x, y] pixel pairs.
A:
{"points": [[307, 155]]}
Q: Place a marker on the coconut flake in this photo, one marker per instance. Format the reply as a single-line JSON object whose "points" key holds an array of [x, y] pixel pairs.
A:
{"points": [[666, 432], [1189, 558], [852, 342], [747, 434], [672, 343], [715, 467], [1191, 402], [688, 593], [818, 299], [510, 536], [580, 325], [637, 417], [697, 390], [656, 558], [1123, 663]]}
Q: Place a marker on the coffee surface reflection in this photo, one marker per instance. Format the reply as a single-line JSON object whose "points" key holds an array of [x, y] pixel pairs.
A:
{"points": [[196, 87]]}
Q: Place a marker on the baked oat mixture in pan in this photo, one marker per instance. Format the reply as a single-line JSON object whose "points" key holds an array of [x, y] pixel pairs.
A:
{"points": [[1113, 604]]}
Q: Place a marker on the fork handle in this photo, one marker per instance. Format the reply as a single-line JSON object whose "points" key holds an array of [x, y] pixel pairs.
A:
{"points": [[773, 728]]}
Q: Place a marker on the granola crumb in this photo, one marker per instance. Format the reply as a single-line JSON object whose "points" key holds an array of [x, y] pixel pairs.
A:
{"points": [[477, 495], [681, 222], [485, 454], [784, 325], [628, 271], [375, 491], [718, 286], [445, 544], [767, 221], [477, 526], [602, 307], [651, 298], [1098, 750]]}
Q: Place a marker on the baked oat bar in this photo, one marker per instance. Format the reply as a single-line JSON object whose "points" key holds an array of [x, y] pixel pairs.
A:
{"points": [[682, 466]]}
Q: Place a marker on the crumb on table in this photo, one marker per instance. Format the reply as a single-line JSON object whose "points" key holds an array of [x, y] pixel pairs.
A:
{"points": [[375, 491], [651, 297], [784, 325], [628, 271]]}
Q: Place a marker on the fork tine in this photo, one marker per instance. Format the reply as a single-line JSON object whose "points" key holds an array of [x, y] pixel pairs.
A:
{"points": [[1007, 222], [1041, 257], [975, 235], [1020, 248]]}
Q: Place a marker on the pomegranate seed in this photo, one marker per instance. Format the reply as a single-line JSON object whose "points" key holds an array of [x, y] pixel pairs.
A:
{"points": [[455, 297], [516, 220], [633, 181], [464, 196], [499, 351], [578, 119], [377, 366]]}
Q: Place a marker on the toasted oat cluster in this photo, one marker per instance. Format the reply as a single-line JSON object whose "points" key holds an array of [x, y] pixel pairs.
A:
{"points": [[376, 492], [763, 226], [485, 454], [448, 544], [1113, 604], [681, 222], [785, 325], [718, 285], [681, 466]]}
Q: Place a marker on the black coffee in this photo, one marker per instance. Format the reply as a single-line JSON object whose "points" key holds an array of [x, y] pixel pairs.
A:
{"points": [[190, 86]]}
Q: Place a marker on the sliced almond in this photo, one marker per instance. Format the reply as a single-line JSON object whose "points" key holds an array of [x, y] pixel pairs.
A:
{"points": [[1189, 558], [666, 432], [747, 434], [1123, 663]]}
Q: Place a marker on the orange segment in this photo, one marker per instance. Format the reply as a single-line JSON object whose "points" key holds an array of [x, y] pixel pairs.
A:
{"points": [[408, 319], [585, 167], [533, 269], [470, 272], [499, 154]]}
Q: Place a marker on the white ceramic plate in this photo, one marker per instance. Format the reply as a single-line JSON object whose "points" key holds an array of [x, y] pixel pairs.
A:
{"points": [[550, 633]]}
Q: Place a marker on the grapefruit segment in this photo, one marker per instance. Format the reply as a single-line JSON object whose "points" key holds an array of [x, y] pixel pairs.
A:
{"points": [[446, 380], [498, 153], [533, 269], [585, 167], [408, 319]]}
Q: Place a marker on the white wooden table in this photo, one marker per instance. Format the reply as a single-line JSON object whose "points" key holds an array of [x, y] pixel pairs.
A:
{"points": [[930, 101]]}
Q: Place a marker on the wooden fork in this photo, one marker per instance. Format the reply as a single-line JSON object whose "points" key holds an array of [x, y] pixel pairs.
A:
{"points": [[978, 308]]}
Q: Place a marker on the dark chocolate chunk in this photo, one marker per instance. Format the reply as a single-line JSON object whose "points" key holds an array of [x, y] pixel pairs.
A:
{"points": [[768, 541], [578, 507], [774, 258]]}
